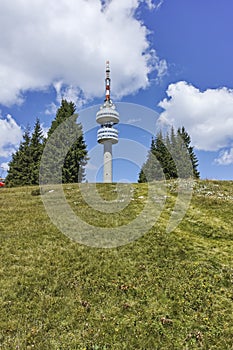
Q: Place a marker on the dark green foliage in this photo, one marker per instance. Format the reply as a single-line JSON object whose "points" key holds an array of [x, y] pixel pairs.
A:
{"points": [[66, 110], [20, 165], [171, 145], [36, 148], [170, 157], [24, 166], [162, 153], [25, 163], [151, 169], [187, 140], [73, 161]]}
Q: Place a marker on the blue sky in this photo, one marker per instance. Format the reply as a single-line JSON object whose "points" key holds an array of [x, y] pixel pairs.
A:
{"points": [[170, 60]]}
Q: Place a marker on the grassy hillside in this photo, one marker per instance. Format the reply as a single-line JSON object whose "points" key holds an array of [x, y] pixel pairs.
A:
{"points": [[163, 291]]}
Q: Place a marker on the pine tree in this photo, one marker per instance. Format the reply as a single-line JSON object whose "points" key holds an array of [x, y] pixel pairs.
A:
{"points": [[171, 166], [170, 156], [19, 173], [66, 110], [194, 161], [73, 164], [163, 155], [24, 166], [36, 148], [151, 169], [141, 176]]}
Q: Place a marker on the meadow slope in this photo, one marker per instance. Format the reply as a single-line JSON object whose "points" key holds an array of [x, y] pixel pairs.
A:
{"points": [[162, 291]]}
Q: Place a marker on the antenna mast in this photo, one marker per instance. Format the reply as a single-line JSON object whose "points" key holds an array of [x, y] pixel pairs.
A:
{"points": [[107, 82]]}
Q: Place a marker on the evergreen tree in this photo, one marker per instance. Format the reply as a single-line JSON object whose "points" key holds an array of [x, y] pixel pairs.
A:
{"points": [[73, 164], [170, 156], [142, 176], [171, 166], [19, 173], [163, 155], [66, 110], [187, 141], [24, 166], [151, 169], [36, 148]]}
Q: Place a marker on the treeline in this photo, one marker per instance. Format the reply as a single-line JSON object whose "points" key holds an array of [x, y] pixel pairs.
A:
{"points": [[24, 167], [170, 156]]}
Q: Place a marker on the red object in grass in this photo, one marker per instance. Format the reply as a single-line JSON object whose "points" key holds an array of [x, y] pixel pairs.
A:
{"points": [[2, 184]]}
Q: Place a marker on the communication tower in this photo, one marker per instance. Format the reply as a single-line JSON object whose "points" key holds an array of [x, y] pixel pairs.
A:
{"points": [[107, 117]]}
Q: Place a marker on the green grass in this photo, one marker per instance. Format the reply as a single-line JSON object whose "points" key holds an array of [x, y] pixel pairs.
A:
{"points": [[57, 294]]}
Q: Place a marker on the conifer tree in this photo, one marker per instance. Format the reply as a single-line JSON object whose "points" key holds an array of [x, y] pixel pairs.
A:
{"points": [[19, 173], [151, 169], [73, 165], [36, 149], [170, 164], [187, 141], [174, 155], [24, 166], [163, 155], [145, 174], [142, 176], [66, 110]]}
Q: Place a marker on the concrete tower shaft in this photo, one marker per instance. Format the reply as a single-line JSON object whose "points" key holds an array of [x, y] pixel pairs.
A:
{"points": [[107, 135], [107, 176]]}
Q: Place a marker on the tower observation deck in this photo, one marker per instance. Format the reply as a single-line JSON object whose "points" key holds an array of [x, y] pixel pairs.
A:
{"points": [[107, 117]]}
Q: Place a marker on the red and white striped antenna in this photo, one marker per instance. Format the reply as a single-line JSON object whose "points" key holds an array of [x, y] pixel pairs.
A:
{"points": [[107, 82]]}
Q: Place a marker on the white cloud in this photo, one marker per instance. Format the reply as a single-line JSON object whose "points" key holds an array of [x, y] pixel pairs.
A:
{"points": [[225, 157], [207, 115], [154, 4], [69, 93], [44, 129], [159, 65], [133, 120], [51, 109], [4, 166], [69, 41], [10, 136], [151, 5], [162, 69]]}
